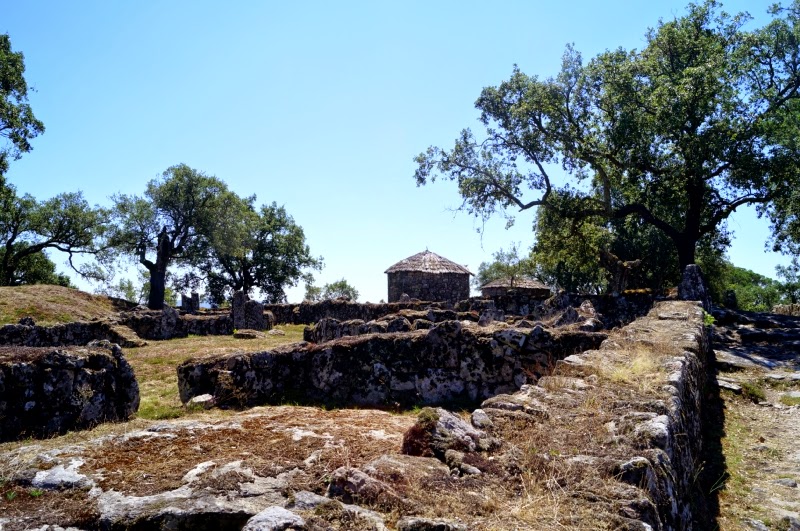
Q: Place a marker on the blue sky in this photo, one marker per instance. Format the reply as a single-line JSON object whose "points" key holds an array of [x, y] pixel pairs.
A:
{"points": [[319, 106]]}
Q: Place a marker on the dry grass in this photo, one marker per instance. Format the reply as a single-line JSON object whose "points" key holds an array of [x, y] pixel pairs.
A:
{"points": [[49, 305], [155, 365]]}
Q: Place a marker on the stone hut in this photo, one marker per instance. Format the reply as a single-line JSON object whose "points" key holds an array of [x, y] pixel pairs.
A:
{"points": [[528, 287], [428, 277]]}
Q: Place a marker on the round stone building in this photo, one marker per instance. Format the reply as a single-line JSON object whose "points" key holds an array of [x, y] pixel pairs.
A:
{"points": [[429, 277]]}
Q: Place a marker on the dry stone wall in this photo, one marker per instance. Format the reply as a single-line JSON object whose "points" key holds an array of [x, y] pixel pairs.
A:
{"points": [[341, 310], [449, 287], [453, 361], [47, 391], [78, 333], [168, 323]]}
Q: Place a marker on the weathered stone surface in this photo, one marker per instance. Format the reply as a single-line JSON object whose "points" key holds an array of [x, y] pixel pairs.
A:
{"points": [[693, 287], [237, 309], [352, 485], [45, 391], [451, 361], [415, 523], [168, 324], [438, 430], [274, 519], [249, 334], [311, 312], [254, 318], [69, 334]]}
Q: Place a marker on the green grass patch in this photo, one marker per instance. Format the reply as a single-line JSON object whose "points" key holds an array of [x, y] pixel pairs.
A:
{"points": [[753, 391], [790, 400]]}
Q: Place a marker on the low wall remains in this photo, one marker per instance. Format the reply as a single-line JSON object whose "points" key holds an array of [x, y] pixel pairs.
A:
{"points": [[666, 435], [453, 361], [77, 333], [168, 324], [311, 312], [47, 391]]}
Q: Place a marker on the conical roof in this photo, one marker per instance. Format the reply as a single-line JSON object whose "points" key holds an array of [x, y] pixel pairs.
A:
{"points": [[428, 262], [522, 283]]}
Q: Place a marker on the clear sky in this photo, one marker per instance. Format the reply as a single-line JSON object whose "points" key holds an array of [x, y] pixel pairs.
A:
{"points": [[319, 106]]}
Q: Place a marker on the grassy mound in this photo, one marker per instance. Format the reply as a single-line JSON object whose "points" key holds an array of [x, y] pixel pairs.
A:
{"points": [[50, 305]]}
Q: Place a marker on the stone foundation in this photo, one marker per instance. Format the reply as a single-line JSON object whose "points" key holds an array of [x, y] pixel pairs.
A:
{"points": [[453, 361], [311, 312], [48, 391]]}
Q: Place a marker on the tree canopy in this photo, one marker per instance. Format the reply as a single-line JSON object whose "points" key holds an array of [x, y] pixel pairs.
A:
{"points": [[168, 225], [273, 255], [29, 227], [18, 125], [332, 290], [191, 220], [675, 136]]}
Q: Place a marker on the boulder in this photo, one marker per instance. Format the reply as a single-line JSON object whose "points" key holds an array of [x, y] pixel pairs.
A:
{"points": [[693, 287], [438, 430]]}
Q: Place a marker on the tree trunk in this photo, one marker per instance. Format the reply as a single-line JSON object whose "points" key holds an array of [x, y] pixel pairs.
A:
{"points": [[158, 272], [686, 247]]}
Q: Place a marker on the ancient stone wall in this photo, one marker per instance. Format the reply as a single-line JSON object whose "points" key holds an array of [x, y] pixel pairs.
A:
{"points": [[47, 391], [450, 362], [616, 310], [311, 312], [78, 333], [787, 309], [168, 323], [444, 287], [669, 430]]}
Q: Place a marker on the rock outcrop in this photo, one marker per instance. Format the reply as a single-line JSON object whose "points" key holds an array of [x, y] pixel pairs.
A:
{"points": [[47, 391]]}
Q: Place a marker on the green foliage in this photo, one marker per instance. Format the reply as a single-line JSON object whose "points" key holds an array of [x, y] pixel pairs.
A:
{"points": [[313, 293], [754, 292], [171, 223], [18, 125], [273, 255], [340, 288], [790, 287], [28, 227], [671, 138], [506, 264], [753, 391]]}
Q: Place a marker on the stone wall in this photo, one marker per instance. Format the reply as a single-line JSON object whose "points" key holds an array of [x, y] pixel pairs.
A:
{"points": [[168, 323], [453, 361], [445, 287], [668, 434], [48, 391], [78, 333], [311, 312], [787, 309], [615, 310]]}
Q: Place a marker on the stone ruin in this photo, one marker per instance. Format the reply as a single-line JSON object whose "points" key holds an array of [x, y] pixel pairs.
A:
{"points": [[249, 314], [190, 304]]}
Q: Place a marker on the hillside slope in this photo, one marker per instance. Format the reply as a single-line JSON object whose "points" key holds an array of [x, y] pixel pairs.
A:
{"points": [[49, 305]]}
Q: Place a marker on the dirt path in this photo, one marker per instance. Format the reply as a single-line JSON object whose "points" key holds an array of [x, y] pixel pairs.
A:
{"points": [[758, 362]]}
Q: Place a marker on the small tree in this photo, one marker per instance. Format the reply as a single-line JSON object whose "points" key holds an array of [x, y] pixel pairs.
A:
{"points": [[272, 255], [790, 287], [506, 264], [333, 290]]}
